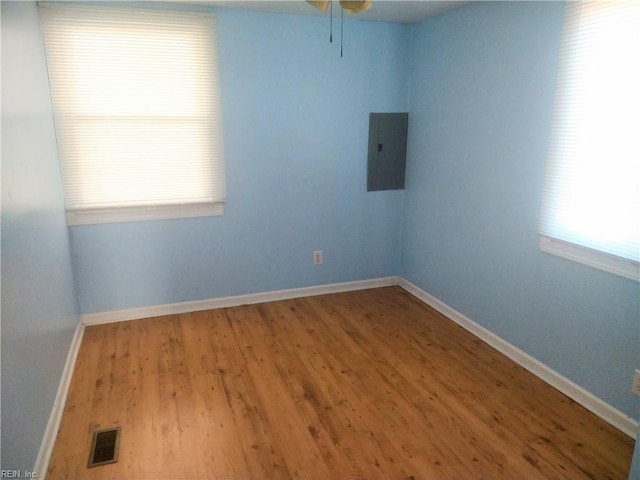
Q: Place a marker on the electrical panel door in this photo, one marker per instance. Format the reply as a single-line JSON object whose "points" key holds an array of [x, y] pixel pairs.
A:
{"points": [[387, 151]]}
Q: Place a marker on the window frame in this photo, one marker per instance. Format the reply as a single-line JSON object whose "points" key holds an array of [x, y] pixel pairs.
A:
{"points": [[590, 257], [163, 208], [587, 255]]}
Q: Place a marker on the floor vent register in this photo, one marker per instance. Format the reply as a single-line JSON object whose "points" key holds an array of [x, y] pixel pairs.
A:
{"points": [[104, 447]]}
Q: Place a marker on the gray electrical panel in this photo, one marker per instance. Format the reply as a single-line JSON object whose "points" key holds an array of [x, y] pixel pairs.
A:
{"points": [[387, 151]]}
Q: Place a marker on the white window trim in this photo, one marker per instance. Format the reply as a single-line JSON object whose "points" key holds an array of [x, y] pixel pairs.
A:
{"points": [[577, 223], [160, 210], [592, 258], [138, 214]]}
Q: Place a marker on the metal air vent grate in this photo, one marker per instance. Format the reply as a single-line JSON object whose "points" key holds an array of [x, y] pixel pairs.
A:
{"points": [[104, 447]]}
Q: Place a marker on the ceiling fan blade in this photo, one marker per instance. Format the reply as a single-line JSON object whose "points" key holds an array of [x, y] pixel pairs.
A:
{"points": [[320, 4], [355, 6]]}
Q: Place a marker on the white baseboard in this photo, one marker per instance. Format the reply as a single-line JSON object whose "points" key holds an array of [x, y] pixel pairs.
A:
{"points": [[50, 433], [608, 413], [234, 301]]}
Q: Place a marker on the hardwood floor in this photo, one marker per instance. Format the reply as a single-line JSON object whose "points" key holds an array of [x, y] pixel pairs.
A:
{"points": [[369, 384]]}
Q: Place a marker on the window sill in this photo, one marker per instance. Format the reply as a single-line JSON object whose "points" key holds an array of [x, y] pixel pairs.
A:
{"points": [[602, 261], [141, 214]]}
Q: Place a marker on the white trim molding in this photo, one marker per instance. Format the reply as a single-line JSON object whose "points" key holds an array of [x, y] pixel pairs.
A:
{"points": [[593, 258], [51, 432], [599, 407], [234, 301], [139, 214]]}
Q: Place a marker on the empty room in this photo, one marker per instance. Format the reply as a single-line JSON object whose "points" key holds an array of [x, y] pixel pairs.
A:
{"points": [[320, 240]]}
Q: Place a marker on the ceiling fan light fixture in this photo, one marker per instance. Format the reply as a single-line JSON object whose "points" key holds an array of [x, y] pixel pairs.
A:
{"points": [[352, 7], [355, 6], [321, 5]]}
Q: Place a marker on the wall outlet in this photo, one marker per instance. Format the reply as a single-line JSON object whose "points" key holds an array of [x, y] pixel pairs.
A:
{"points": [[635, 386], [317, 257]]}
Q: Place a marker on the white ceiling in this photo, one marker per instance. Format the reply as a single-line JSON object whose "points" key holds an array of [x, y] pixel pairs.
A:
{"points": [[399, 11]]}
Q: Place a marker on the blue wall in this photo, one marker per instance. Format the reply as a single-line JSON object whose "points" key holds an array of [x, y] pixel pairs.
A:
{"points": [[478, 83], [39, 313], [295, 131], [481, 94]]}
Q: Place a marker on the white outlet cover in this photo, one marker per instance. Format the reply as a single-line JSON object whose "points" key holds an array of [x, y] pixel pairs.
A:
{"points": [[635, 386]]}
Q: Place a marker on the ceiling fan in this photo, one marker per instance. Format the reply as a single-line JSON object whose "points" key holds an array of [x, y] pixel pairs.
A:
{"points": [[351, 6]]}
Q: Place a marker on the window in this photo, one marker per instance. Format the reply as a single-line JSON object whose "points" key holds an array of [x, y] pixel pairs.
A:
{"points": [[136, 108], [591, 203]]}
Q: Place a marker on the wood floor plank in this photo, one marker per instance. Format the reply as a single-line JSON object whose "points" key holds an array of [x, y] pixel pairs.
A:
{"points": [[315, 383], [449, 459], [374, 400], [363, 385]]}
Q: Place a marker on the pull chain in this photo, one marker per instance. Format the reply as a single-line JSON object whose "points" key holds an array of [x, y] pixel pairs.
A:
{"points": [[341, 30], [331, 21]]}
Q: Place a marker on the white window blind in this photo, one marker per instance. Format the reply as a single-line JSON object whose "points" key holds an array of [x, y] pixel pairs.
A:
{"points": [[136, 108], [591, 202]]}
